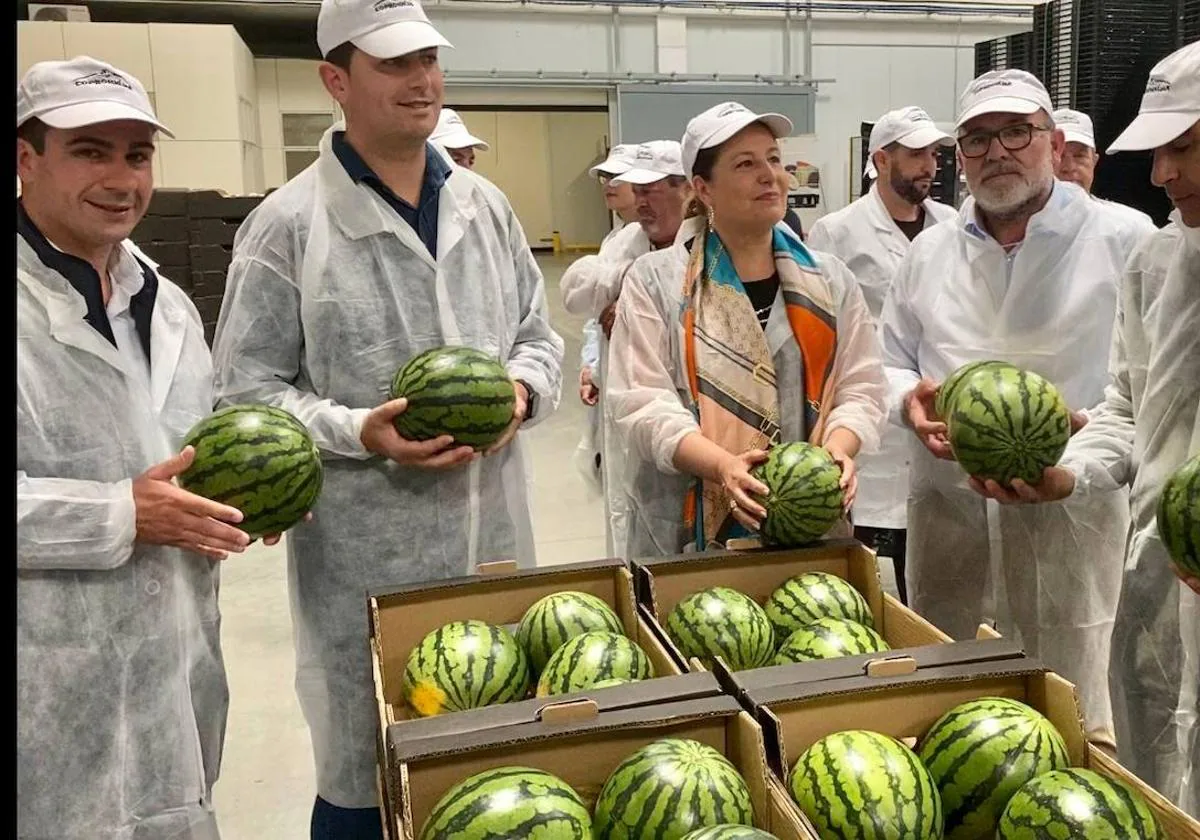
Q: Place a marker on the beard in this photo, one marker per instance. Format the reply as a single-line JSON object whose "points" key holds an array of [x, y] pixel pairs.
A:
{"points": [[1013, 199], [908, 189]]}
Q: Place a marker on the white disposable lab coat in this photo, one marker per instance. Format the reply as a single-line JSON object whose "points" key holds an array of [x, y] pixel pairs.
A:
{"points": [[1147, 426], [864, 236], [651, 403], [121, 690], [1049, 574], [588, 286], [330, 291]]}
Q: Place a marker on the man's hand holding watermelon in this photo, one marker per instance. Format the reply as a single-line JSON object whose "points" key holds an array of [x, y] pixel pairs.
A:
{"points": [[379, 436]]}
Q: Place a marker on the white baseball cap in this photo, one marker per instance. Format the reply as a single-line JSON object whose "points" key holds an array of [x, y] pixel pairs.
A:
{"points": [[1003, 92], [652, 162], [719, 123], [620, 159], [911, 127], [380, 28], [82, 91], [1170, 105], [1076, 126], [451, 132]]}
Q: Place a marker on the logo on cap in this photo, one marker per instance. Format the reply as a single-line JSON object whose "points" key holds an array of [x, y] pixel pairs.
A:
{"points": [[1068, 118], [644, 153], [103, 77], [918, 115], [1157, 84], [384, 5], [731, 108], [980, 87]]}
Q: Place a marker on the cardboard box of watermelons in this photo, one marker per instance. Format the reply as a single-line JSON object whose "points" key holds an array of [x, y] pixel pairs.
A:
{"points": [[663, 582], [498, 595], [580, 741], [906, 706]]}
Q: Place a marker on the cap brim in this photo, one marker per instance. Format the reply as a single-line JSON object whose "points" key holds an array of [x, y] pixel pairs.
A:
{"points": [[1000, 105], [639, 176], [610, 167], [1153, 129], [401, 38], [779, 125], [461, 141], [1072, 136], [926, 135], [92, 113]]}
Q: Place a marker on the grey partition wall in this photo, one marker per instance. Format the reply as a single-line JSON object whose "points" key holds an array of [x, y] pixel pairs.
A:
{"points": [[661, 112]]}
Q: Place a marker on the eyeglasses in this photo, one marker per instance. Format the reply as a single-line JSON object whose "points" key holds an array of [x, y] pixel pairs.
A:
{"points": [[1011, 137]]}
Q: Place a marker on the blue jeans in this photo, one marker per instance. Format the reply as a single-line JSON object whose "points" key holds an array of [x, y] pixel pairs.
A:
{"points": [[330, 822]]}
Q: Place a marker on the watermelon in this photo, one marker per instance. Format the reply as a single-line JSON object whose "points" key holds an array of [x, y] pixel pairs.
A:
{"points": [[829, 638], [944, 398], [456, 391], [730, 832], [722, 622], [258, 459], [1007, 424], [805, 498], [812, 595], [857, 783], [1179, 516], [509, 802], [591, 658], [612, 681], [465, 665], [560, 617], [1077, 803], [669, 788], [980, 753]]}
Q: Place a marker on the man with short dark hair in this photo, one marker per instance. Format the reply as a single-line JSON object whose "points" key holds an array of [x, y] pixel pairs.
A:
{"points": [[121, 691], [377, 252], [871, 236]]}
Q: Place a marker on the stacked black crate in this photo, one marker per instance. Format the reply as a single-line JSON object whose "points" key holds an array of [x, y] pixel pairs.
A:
{"points": [[162, 235], [1013, 52], [214, 219], [1117, 42], [1187, 22], [1052, 49]]}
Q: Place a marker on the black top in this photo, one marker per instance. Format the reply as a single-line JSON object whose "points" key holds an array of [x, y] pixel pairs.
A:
{"points": [[762, 297], [423, 217], [911, 229], [792, 219], [80, 274]]}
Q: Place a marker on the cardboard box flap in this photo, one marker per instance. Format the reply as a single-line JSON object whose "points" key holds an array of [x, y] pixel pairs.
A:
{"points": [[403, 746], [1002, 667], [925, 656], [627, 696], [495, 573]]}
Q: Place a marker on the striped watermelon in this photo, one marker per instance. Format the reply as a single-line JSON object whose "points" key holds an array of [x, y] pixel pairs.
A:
{"points": [[509, 802], [465, 665], [857, 783], [591, 658], [945, 392], [258, 459], [1179, 516], [730, 832], [980, 753], [805, 498], [829, 638], [613, 681], [722, 622], [456, 391], [1077, 803], [812, 595], [557, 618], [669, 788], [1007, 424]]}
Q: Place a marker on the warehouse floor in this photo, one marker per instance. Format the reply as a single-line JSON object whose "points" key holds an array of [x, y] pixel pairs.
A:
{"points": [[267, 786]]}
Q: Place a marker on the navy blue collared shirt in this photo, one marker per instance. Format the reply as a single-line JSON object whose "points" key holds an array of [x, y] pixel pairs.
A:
{"points": [[424, 217]]}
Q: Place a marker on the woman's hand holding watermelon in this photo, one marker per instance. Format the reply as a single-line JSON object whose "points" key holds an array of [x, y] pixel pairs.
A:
{"points": [[842, 446], [379, 436], [742, 487]]}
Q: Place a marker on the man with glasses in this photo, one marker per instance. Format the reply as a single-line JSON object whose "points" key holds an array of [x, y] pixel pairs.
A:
{"points": [[1027, 274]]}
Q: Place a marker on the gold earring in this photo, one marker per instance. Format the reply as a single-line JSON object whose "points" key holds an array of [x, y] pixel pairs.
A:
{"points": [[711, 222]]}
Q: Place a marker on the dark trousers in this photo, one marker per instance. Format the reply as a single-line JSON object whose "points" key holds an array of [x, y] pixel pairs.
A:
{"points": [[330, 822], [890, 542]]}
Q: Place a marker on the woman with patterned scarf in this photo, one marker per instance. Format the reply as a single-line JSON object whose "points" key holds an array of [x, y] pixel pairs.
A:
{"points": [[734, 339]]}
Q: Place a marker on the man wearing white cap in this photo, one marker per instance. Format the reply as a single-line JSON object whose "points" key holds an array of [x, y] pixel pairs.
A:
{"points": [[1026, 274], [452, 135], [871, 236], [377, 252], [618, 197], [592, 286], [1079, 159], [121, 692], [1147, 426]]}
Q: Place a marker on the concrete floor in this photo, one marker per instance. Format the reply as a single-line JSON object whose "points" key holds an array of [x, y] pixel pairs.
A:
{"points": [[267, 785]]}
